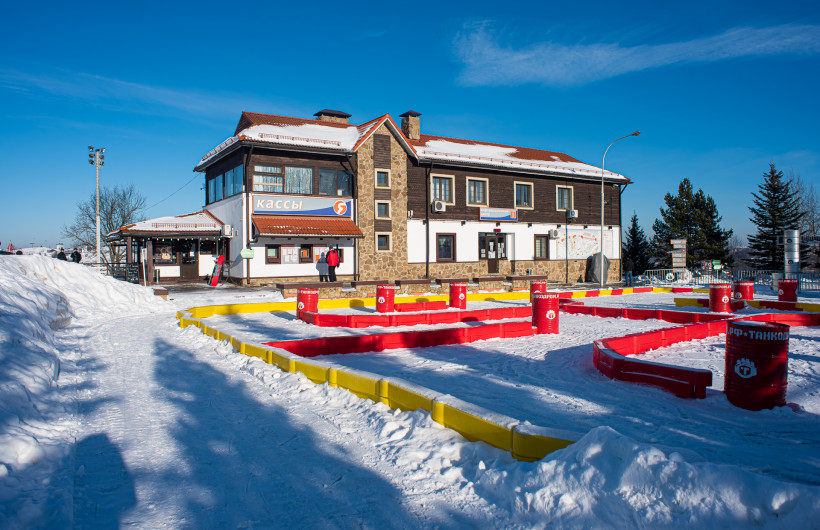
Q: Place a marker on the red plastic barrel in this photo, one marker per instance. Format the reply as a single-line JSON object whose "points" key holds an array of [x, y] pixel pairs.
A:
{"points": [[458, 295], [307, 300], [757, 362], [720, 296], [537, 287], [385, 298], [744, 290], [787, 290], [545, 312]]}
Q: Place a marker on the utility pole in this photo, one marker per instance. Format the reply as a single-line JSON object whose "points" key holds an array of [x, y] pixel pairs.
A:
{"points": [[96, 157]]}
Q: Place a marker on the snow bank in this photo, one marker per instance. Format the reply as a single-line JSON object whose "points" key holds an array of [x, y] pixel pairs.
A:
{"points": [[611, 481], [38, 295]]}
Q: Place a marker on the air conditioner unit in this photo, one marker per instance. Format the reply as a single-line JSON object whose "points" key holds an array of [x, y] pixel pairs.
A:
{"points": [[439, 206], [572, 214], [227, 230], [553, 234]]}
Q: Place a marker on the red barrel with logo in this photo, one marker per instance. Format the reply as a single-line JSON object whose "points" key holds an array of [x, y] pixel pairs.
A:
{"points": [[720, 298], [385, 298], [307, 300], [537, 286], [787, 290], [744, 290], [757, 362], [458, 295], [545, 312]]}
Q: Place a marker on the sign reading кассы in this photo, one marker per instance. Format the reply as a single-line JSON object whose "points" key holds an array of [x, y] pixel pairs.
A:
{"points": [[290, 205]]}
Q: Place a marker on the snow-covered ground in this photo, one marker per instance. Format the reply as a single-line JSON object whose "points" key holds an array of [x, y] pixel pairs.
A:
{"points": [[110, 414]]}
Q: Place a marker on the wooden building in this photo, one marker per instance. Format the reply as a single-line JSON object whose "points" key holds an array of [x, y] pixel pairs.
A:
{"points": [[399, 204]]}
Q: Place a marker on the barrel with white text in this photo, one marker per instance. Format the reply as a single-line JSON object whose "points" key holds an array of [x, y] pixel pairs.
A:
{"points": [[787, 290], [537, 286], [744, 290], [545, 312], [458, 295], [757, 362], [385, 298], [720, 298], [307, 300]]}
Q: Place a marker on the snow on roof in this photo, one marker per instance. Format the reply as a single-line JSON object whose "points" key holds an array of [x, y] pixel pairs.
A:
{"points": [[453, 150], [300, 132], [194, 222]]}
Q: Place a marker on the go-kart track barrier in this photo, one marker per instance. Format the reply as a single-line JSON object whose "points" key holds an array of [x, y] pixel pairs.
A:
{"points": [[524, 441]]}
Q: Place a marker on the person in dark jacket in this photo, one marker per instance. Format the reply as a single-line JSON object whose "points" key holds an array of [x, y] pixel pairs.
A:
{"points": [[332, 263], [76, 257], [629, 266], [61, 255]]}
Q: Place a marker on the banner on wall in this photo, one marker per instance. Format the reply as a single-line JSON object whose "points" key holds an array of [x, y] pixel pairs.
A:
{"points": [[584, 243], [292, 205]]}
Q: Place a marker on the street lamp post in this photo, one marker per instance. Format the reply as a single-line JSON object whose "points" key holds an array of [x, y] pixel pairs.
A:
{"points": [[603, 162], [96, 157]]}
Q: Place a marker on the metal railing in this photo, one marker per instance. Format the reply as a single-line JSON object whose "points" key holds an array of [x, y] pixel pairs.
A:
{"points": [[806, 281]]}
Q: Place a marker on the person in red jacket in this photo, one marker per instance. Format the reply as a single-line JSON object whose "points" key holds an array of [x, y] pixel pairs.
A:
{"points": [[332, 263]]}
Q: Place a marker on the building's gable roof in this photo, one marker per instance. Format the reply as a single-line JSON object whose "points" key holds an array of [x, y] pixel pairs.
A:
{"points": [[203, 222], [342, 138]]}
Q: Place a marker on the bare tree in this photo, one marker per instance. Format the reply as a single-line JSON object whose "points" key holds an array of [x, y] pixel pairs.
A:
{"points": [[118, 207], [810, 222]]}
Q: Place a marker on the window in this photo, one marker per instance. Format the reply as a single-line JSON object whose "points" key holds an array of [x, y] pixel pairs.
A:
{"points": [[211, 192], [445, 247], [476, 192], [523, 195], [272, 254], [229, 183], [338, 183], [268, 178], [563, 197], [382, 178], [344, 183], [306, 254], [541, 247], [299, 180], [238, 179], [164, 253], [383, 242], [383, 209], [443, 189], [218, 187]]}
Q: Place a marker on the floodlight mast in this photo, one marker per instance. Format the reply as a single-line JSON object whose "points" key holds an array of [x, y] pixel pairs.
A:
{"points": [[96, 157]]}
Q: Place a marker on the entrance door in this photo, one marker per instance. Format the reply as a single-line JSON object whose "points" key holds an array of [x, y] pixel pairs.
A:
{"points": [[492, 247], [188, 261]]}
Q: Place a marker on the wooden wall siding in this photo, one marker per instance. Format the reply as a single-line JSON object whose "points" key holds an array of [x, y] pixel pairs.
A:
{"points": [[382, 225], [381, 151], [381, 194], [587, 196]]}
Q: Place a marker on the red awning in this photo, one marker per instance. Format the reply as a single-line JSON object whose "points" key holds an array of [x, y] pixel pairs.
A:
{"points": [[287, 225]]}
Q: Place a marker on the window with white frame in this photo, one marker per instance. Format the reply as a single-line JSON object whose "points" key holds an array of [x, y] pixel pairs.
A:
{"points": [[443, 189], [382, 242], [382, 178], [382, 209], [523, 195], [477, 192], [563, 197]]}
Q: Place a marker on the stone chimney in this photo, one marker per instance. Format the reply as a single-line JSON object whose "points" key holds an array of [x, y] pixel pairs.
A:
{"points": [[410, 124], [335, 116]]}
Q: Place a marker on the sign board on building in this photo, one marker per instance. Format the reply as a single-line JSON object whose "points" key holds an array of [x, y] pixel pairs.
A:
{"points": [[246, 253], [497, 214], [294, 205]]}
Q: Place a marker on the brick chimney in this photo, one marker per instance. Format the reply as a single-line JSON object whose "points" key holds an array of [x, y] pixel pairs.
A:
{"points": [[410, 124], [335, 116]]}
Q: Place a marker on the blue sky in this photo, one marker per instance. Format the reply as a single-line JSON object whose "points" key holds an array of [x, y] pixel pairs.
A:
{"points": [[718, 90]]}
